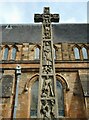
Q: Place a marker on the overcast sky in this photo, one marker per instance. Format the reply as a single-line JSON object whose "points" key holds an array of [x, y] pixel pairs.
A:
{"points": [[23, 12]]}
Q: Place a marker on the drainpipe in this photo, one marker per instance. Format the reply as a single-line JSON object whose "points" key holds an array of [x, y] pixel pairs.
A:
{"points": [[18, 74]]}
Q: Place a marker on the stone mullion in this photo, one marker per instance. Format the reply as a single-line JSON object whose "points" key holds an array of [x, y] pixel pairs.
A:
{"points": [[81, 54], [88, 52], [72, 53], [9, 52], [1, 53], [18, 52], [65, 51], [60, 52]]}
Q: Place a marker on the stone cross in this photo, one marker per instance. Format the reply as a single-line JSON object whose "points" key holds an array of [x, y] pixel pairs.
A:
{"points": [[47, 98], [46, 18]]}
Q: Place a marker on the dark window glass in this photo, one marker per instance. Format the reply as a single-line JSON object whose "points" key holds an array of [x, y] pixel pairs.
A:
{"points": [[13, 53], [6, 53], [84, 51], [37, 53], [60, 99], [34, 100], [76, 53], [6, 85]]}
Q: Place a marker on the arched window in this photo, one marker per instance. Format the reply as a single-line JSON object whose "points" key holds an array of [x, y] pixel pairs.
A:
{"points": [[37, 53], [84, 52], [76, 53], [14, 53], [5, 57], [60, 98], [34, 100]]}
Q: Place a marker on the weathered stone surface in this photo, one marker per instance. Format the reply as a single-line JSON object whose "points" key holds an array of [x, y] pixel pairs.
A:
{"points": [[6, 85], [47, 105], [70, 72]]}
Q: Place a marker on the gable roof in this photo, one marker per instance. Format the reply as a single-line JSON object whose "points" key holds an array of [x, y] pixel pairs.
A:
{"points": [[32, 33]]}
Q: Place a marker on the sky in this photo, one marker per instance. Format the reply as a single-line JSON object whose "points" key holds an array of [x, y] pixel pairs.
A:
{"points": [[23, 12]]}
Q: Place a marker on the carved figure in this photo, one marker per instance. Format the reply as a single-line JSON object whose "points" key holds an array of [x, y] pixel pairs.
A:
{"points": [[47, 54], [47, 90]]}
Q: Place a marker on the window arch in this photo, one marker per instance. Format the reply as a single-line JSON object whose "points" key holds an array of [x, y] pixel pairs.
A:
{"points": [[37, 53], [76, 53], [84, 52], [14, 50], [6, 51], [34, 99]]}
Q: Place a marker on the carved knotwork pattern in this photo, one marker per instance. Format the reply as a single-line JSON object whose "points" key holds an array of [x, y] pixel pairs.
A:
{"points": [[46, 27], [47, 82], [47, 31], [47, 98], [47, 109]]}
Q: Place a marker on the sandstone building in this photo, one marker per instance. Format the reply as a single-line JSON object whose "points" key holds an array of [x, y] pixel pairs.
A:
{"points": [[21, 45]]}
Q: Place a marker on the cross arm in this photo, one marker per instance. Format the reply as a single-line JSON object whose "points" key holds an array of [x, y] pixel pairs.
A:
{"points": [[38, 18], [54, 17]]}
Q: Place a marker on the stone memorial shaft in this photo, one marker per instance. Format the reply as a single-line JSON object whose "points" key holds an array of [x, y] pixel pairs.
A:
{"points": [[47, 99]]}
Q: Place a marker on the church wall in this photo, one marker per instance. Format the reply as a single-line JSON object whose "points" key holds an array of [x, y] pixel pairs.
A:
{"points": [[66, 66], [74, 100], [26, 51]]}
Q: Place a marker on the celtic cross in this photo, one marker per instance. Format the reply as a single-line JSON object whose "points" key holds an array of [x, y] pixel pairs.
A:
{"points": [[47, 100]]}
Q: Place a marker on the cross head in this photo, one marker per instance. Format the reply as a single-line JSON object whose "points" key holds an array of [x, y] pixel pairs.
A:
{"points": [[40, 17]]}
